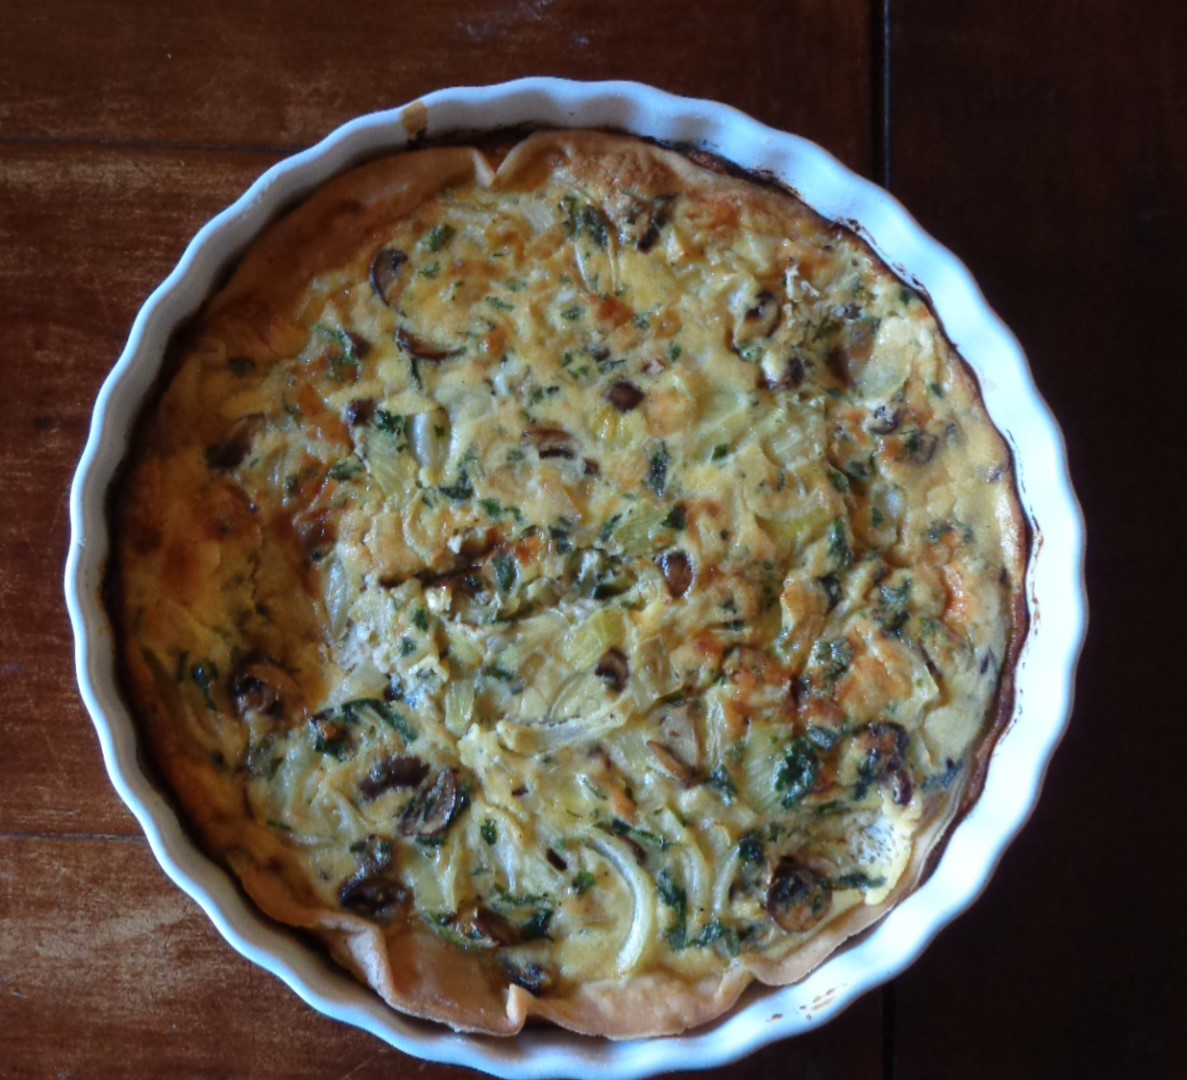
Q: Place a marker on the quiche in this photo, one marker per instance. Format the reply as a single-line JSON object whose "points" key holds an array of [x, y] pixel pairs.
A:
{"points": [[571, 579]]}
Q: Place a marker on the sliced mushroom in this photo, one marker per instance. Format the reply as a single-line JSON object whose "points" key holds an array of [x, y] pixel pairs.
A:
{"points": [[797, 898], [489, 926], [433, 810], [262, 687], [401, 771], [852, 344], [229, 453], [534, 978], [419, 349], [375, 896], [625, 396], [385, 273], [550, 442], [677, 571], [671, 764], [660, 214], [614, 669], [885, 750], [761, 320], [359, 411]]}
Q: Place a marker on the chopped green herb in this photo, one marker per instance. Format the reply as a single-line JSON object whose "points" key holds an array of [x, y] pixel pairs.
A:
{"points": [[430, 271], [517, 285], [677, 519], [674, 351], [642, 322], [657, 472], [573, 313], [499, 304], [721, 450], [750, 849], [492, 507], [798, 772], [205, 674], [460, 491], [752, 354], [353, 711], [608, 528], [721, 782], [671, 894], [439, 236], [583, 881], [838, 480], [858, 880], [345, 469], [506, 570], [407, 646], [838, 545], [420, 619], [392, 423], [489, 831]]}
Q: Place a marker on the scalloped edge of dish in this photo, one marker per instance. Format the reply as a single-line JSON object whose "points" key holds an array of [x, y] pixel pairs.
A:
{"points": [[1055, 578]]}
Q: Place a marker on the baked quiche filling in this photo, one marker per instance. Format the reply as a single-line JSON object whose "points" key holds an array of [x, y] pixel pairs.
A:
{"points": [[566, 578]]}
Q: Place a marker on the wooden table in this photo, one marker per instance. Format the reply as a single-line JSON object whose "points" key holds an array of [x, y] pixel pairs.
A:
{"points": [[1045, 143]]}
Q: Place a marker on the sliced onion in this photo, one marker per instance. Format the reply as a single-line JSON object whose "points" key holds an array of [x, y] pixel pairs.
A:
{"points": [[643, 895]]}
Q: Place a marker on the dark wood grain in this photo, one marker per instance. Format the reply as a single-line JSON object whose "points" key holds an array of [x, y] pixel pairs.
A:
{"points": [[1049, 151], [85, 234], [275, 73]]}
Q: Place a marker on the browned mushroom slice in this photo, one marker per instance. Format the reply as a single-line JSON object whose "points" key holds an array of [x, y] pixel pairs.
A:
{"points": [[262, 687], [550, 442], [433, 810], [760, 320], [419, 349], [230, 453], [490, 926], [797, 898], [625, 396], [385, 273], [401, 771], [885, 746], [671, 764], [852, 344], [376, 896], [614, 669], [677, 571], [660, 214], [534, 978], [359, 411]]}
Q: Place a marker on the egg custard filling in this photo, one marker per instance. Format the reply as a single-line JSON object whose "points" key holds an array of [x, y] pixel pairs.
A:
{"points": [[571, 579]]}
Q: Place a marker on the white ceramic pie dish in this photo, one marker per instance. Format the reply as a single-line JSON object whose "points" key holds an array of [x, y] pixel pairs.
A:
{"points": [[1055, 589]]}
